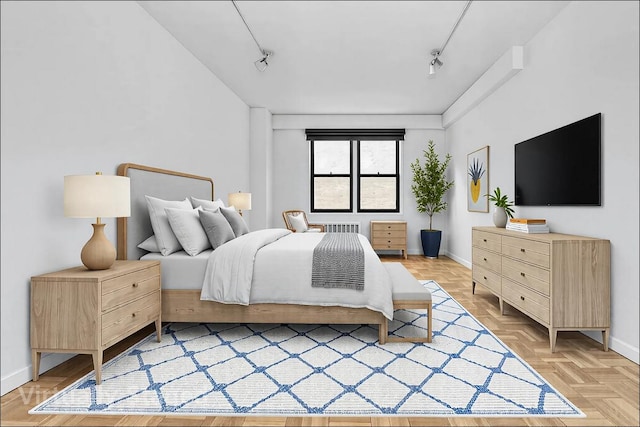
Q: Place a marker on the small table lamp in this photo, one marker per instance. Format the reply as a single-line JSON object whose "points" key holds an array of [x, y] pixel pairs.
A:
{"points": [[240, 201], [96, 196]]}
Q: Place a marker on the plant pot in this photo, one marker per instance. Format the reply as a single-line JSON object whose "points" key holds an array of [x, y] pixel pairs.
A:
{"points": [[431, 242], [499, 217]]}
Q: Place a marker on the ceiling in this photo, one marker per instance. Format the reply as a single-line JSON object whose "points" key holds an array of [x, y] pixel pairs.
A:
{"points": [[351, 57]]}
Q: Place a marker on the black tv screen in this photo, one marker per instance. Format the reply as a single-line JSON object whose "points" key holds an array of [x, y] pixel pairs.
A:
{"points": [[561, 167]]}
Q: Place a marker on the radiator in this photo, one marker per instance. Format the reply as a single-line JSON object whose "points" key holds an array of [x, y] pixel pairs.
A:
{"points": [[341, 227]]}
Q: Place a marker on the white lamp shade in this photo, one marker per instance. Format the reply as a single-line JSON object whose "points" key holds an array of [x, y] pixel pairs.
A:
{"points": [[95, 196], [241, 201]]}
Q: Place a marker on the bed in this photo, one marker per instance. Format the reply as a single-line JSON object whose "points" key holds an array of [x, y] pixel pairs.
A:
{"points": [[182, 274]]}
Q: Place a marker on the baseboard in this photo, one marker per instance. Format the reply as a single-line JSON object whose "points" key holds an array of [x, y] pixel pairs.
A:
{"points": [[458, 259], [24, 375]]}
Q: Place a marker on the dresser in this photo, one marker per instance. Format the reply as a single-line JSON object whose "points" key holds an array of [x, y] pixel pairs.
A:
{"points": [[82, 311], [561, 281], [389, 235]]}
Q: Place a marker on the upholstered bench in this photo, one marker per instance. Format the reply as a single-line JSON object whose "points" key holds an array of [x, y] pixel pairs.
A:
{"points": [[408, 293]]}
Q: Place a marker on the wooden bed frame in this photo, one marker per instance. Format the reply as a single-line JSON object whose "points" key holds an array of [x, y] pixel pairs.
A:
{"points": [[185, 305]]}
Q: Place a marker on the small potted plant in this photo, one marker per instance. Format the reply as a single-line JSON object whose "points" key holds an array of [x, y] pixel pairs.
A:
{"points": [[429, 187], [503, 208]]}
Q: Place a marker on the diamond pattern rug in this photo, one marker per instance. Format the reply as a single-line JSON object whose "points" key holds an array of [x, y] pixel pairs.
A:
{"points": [[257, 369]]}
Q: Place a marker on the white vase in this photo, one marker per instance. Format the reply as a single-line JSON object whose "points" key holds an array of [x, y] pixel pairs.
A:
{"points": [[499, 217]]}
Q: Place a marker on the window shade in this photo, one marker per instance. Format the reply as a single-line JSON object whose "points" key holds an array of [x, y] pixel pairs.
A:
{"points": [[354, 134]]}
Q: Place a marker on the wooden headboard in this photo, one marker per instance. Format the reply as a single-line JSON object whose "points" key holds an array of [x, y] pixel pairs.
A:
{"points": [[161, 183]]}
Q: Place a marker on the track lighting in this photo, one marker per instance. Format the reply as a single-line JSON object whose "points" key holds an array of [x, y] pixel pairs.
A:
{"points": [[436, 63], [262, 64]]}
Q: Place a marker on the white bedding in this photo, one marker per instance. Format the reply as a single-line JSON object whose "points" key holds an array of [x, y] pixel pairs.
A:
{"points": [[181, 270], [281, 273]]}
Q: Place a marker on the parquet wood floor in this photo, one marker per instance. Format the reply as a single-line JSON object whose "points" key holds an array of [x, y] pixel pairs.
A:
{"points": [[604, 385]]}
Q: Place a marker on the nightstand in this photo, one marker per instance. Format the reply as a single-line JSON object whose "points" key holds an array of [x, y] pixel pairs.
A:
{"points": [[83, 311], [389, 235]]}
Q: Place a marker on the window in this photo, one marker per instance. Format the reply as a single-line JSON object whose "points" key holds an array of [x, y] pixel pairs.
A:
{"points": [[378, 176], [377, 154]]}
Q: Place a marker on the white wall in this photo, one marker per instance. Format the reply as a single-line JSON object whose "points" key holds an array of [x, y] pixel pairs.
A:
{"points": [[291, 175], [583, 62], [87, 86]]}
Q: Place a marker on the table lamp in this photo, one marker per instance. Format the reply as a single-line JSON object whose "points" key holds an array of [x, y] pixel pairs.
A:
{"points": [[240, 201], [96, 196]]}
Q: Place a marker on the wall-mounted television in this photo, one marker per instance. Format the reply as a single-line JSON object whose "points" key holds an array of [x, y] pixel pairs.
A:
{"points": [[561, 167]]}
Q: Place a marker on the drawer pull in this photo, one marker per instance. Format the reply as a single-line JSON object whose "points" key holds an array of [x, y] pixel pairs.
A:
{"points": [[133, 315], [522, 298], [522, 274], [484, 259], [485, 277], [484, 240], [388, 241], [135, 285], [521, 249]]}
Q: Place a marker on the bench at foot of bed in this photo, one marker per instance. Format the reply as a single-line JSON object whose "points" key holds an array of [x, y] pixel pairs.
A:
{"points": [[408, 293]]}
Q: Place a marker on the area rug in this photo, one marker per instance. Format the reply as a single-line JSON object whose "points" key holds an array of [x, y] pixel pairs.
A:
{"points": [[292, 370]]}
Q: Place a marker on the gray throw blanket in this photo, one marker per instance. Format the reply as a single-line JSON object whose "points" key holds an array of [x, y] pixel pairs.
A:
{"points": [[338, 262]]}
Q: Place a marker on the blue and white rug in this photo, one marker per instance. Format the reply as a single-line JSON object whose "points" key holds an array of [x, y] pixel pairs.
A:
{"points": [[255, 369]]}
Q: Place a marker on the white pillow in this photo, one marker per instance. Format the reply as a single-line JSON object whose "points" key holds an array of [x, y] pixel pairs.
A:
{"points": [[167, 241], [187, 228], [150, 244], [207, 204], [298, 223]]}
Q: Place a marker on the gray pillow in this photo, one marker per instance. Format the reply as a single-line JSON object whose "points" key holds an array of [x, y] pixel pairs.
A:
{"points": [[235, 220], [216, 227]]}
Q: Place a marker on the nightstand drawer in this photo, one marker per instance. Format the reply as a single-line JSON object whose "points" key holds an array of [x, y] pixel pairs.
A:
{"points": [[127, 280], [396, 234], [377, 241], [382, 226], [525, 300], [130, 292], [488, 241], [131, 316], [487, 259], [527, 275]]}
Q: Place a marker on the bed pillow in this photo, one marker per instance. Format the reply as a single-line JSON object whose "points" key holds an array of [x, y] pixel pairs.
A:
{"points": [[235, 220], [207, 204], [298, 223], [150, 244], [167, 241], [216, 227], [187, 228]]}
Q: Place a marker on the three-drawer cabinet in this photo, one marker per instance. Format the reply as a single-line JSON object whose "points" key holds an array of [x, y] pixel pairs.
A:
{"points": [[391, 235], [561, 281], [83, 311]]}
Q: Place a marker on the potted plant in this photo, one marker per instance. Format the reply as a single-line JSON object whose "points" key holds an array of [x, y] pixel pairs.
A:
{"points": [[503, 208], [429, 187]]}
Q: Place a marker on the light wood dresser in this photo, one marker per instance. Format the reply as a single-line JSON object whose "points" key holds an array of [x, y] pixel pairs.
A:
{"points": [[82, 311], [389, 235], [559, 280]]}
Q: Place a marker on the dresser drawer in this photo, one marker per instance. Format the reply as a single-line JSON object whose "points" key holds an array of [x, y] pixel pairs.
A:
{"points": [[127, 280], [527, 275], [490, 279], [484, 240], [524, 299], [384, 241], [130, 317], [527, 250], [125, 294], [383, 226], [395, 234], [486, 259]]}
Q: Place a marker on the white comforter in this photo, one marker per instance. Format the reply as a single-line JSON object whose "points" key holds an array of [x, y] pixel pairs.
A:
{"points": [[274, 266]]}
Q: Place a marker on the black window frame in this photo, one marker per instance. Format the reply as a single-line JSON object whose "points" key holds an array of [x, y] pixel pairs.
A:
{"points": [[332, 175], [360, 175], [354, 135]]}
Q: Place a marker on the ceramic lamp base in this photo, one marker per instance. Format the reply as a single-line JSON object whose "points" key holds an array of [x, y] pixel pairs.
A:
{"points": [[98, 253]]}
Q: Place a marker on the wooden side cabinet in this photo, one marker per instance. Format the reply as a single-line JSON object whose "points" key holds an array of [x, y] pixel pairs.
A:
{"points": [[561, 281], [82, 311], [389, 235]]}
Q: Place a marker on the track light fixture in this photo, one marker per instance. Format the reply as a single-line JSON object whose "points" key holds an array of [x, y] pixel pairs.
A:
{"points": [[262, 63], [436, 63]]}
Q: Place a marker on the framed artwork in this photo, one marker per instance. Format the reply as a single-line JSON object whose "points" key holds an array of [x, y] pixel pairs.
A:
{"points": [[478, 180]]}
